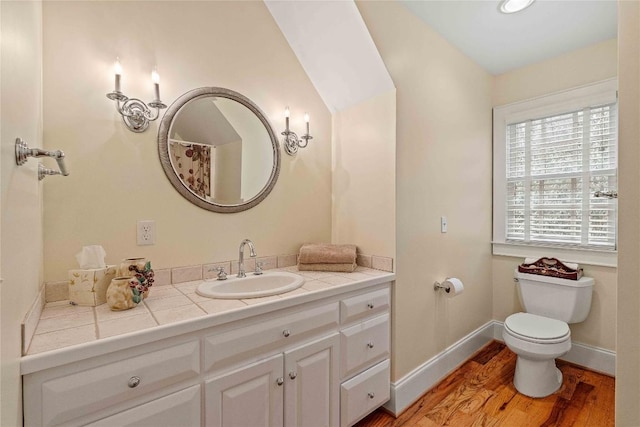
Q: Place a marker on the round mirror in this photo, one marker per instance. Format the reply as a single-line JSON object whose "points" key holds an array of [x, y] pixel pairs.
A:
{"points": [[218, 150]]}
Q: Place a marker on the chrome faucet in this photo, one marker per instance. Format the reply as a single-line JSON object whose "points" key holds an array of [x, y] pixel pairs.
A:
{"points": [[252, 254]]}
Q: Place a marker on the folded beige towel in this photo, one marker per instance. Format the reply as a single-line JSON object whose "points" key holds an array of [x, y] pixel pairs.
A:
{"points": [[345, 268], [324, 253]]}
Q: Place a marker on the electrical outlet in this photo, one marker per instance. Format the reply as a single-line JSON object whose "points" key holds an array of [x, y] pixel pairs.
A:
{"points": [[146, 233], [443, 224]]}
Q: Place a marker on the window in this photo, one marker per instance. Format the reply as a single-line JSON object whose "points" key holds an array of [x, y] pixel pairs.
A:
{"points": [[551, 155]]}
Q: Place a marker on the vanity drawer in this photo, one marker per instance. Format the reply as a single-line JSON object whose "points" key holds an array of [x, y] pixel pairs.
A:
{"points": [[361, 306], [364, 344], [243, 343], [71, 396], [177, 409], [364, 393]]}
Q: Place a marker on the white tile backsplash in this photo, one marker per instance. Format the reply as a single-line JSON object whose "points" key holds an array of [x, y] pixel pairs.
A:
{"points": [[162, 277], [30, 322], [186, 274], [268, 262], [382, 263], [287, 260], [57, 291], [364, 260], [209, 270], [249, 265]]}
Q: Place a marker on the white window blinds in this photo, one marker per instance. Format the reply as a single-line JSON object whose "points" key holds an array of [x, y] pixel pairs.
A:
{"points": [[554, 166]]}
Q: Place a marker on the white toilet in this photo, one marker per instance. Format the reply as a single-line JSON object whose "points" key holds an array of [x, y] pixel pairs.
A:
{"points": [[542, 334]]}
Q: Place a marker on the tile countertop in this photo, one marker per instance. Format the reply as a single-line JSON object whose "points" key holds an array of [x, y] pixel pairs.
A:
{"points": [[64, 325]]}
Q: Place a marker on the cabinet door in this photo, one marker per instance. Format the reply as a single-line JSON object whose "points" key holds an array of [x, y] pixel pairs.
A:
{"points": [[250, 396], [312, 384], [177, 409]]}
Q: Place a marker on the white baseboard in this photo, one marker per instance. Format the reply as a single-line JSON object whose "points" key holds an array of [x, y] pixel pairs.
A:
{"points": [[413, 385], [409, 388]]}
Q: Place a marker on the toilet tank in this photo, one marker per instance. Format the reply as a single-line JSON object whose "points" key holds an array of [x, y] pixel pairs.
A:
{"points": [[562, 299]]}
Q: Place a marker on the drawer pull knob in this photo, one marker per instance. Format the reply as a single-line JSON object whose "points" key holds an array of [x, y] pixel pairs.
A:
{"points": [[370, 344], [133, 382], [292, 375], [280, 381], [371, 395], [286, 333], [370, 305]]}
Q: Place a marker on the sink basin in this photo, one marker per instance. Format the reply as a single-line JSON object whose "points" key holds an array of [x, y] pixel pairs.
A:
{"points": [[269, 283]]}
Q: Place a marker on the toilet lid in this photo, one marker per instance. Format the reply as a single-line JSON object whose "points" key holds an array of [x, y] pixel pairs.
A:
{"points": [[537, 328]]}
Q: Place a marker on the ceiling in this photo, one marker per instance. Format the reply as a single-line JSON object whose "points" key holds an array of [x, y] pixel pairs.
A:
{"points": [[500, 42]]}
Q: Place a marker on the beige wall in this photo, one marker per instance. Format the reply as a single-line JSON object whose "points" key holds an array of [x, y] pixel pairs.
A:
{"points": [[443, 168], [364, 175], [628, 347], [580, 67], [116, 177], [20, 192], [588, 65]]}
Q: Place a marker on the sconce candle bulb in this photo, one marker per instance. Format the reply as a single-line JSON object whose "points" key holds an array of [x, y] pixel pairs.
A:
{"points": [[155, 78], [117, 68], [135, 113], [287, 113], [291, 142]]}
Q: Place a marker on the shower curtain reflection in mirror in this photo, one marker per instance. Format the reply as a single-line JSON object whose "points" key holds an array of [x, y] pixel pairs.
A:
{"points": [[193, 164]]}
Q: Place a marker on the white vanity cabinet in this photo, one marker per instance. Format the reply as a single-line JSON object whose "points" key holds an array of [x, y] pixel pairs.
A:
{"points": [[365, 348], [299, 387], [317, 360]]}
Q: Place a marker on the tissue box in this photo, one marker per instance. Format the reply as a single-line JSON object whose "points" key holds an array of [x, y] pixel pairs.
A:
{"points": [[89, 287]]}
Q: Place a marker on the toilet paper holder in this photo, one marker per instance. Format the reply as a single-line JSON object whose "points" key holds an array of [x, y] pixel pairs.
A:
{"points": [[452, 287], [437, 286]]}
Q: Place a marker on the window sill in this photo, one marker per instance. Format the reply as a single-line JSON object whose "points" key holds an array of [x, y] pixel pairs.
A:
{"points": [[580, 256]]}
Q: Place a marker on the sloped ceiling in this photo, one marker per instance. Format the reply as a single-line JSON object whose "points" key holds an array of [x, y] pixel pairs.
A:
{"points": [[335, 49]]}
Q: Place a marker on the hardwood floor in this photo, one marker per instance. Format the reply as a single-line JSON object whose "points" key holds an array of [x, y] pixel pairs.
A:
{"points": [[481, 393]]}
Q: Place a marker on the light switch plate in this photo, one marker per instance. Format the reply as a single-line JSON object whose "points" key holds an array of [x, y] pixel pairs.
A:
{"points": [[443, 224]]}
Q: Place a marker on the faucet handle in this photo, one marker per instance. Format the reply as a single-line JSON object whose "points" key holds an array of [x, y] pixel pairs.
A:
{"points": [[222, 275], [259, 265]]}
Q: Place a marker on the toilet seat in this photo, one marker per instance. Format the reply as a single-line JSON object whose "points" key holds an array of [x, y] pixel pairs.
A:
{"points": [[537, 329]]}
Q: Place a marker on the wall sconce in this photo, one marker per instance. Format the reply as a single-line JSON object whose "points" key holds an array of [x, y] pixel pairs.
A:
{"points": [[135, 113], [291, 141]]}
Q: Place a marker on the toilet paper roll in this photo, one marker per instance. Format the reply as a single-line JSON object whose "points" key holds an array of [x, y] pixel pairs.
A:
{"points": [[453, 287]]}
